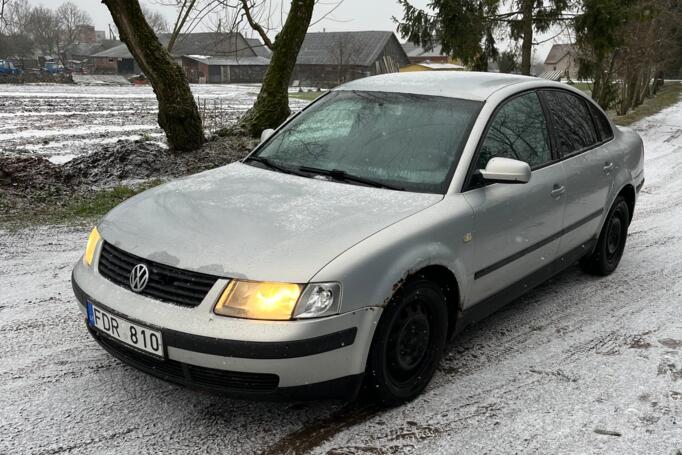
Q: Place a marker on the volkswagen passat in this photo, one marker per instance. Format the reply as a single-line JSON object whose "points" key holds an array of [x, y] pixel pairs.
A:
{"points": [[347, 248]]}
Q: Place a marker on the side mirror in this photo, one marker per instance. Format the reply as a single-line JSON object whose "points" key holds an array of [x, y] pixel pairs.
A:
{"points": [[506, 170], [265, 135]]}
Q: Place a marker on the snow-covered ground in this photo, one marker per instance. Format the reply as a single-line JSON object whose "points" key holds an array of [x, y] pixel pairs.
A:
{"points": [[61, 121], [579, 365]]}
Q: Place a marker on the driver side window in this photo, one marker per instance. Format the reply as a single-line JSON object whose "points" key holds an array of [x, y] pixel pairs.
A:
{"points": [[518, 131]]}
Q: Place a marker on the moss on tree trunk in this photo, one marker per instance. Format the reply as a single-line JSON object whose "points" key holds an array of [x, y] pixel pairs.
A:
{"points": [[178, 114], [272, 105]]}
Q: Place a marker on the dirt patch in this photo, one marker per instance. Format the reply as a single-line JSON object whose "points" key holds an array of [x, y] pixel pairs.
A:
{"points": [[33, 78], [133, 161], [668, 368], [25, 171], [310, 436], [671, 343], [639, 342], [32, 183], [604, 432]]}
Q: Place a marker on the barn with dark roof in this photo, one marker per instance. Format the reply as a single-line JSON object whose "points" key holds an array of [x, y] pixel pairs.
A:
{"points": [[205, 57], [328, 59]]}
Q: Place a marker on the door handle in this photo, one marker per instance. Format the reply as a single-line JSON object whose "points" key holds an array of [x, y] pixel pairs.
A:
{"points": [[557, 191], [608, 167]]}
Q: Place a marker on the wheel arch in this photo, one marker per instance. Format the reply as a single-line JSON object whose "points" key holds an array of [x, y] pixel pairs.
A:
{"points": [[447, 281], [628, 193]]}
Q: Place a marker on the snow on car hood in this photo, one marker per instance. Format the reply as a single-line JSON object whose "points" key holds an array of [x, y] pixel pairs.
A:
{"points": [[245, 222]]}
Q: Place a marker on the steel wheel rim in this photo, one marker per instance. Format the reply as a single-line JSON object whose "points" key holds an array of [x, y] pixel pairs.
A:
{"points": [[614, 237], [408, 342]]}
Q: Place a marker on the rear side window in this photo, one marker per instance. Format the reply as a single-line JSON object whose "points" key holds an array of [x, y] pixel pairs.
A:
{"points": [[518, 131], [602, 124], [573, 126]]}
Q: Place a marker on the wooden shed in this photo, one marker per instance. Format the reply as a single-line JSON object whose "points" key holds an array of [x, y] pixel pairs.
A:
{"points": [[328, 59]]}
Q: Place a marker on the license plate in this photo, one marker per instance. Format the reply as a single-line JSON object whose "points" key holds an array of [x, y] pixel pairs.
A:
{"points": [[135, 335]]}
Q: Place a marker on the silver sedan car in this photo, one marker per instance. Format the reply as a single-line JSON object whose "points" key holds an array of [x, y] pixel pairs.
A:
{"points": [[359, 237]]}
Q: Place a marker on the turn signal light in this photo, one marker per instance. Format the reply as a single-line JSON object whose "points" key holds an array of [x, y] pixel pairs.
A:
{"points": [[93, 240]]}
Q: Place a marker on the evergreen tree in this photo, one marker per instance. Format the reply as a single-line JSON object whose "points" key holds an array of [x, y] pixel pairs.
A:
{"points": [[465, 28]]}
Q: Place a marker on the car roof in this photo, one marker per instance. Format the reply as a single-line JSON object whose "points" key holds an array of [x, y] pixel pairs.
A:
{"points": [[469, 85]]}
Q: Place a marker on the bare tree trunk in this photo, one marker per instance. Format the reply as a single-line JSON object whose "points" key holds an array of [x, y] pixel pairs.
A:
{"points": [[272, 105], [628, 93], [658, 81], [644, 89], [602, 90], [527, 44], [598, 85], [178, 114]]}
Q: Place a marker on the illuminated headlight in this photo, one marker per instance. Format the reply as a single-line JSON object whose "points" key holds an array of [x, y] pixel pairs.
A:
{"points": [[93, 240], [319, 299], [258, 300], [278, 301]]}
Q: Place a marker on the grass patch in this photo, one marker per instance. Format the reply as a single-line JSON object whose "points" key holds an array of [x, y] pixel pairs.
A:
{"points": [[308, 96], [583, 87], [99, 203], [666, 97], [76, 209]]}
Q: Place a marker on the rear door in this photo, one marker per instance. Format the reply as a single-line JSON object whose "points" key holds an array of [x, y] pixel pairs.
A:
{"points": [[516, 226], [589, 162]]}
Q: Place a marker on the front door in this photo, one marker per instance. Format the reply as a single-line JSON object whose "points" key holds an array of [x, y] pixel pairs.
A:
{"points": [[517, 227]]}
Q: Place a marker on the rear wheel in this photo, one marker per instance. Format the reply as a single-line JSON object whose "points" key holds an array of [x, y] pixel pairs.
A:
{"points": [[408, 343], [611, 244]]}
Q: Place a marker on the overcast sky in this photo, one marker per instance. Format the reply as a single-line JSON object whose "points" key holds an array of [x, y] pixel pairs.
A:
{"points": [[350, 15]]}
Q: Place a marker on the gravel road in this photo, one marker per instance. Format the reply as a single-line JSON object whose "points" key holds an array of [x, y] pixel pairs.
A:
{"points": [[579, 365]]}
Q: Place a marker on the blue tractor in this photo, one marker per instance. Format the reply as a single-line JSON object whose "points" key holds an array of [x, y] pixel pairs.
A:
{"points": [[8, 68], [53, 68]]}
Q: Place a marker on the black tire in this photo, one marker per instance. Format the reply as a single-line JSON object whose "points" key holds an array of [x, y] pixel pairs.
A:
{"points": [[611, 244], [408, 343]]}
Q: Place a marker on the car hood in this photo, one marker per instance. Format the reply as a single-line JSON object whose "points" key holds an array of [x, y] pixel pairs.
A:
{"points": [[245, 222]]}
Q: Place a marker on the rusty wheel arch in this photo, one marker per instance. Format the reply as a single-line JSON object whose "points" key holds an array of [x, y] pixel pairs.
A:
{"points": [[444, 277]]}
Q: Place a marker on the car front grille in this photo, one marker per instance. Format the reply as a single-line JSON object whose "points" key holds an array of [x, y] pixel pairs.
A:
{"points": [[169, 284], [192, 375]]}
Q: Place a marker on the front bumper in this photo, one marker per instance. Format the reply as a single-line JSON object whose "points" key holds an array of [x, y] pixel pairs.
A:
{"points": [[304, 359]]}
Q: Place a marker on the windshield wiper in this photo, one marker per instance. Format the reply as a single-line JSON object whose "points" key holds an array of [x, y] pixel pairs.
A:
{"points": [[272, 165], [337, 174]]}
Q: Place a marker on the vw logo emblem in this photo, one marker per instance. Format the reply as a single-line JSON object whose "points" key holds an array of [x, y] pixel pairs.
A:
{"points": [[139, 277]]}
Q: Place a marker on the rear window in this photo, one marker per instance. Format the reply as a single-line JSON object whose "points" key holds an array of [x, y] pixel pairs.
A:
{"points": [[572, 121], [602, 124]]}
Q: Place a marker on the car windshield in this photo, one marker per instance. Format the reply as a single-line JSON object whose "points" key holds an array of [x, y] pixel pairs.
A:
{"points": [[395, 140]]}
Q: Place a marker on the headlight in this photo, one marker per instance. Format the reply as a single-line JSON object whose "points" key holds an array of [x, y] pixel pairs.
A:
{"points": [[93, 240], [258, 300], [319, 299], [278, 301]]}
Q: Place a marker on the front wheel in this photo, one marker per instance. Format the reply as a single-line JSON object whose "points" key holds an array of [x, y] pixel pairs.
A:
{"points": [[611, 244], [408, 343]]}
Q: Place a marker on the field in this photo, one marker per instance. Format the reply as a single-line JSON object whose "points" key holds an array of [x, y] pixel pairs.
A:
{"points": [[63, 121]]}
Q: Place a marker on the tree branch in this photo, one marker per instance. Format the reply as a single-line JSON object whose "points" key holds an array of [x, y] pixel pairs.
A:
{"points": [[256, 26], [180, 22], [2, 9], [324, 16]]}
